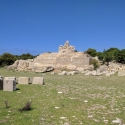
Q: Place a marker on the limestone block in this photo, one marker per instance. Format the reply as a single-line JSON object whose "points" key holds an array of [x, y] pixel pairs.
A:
{"points": [[68, 73], [104, 72], [10, 78], [23, 80], [121, 73], [98, 72], [64, 72], [112, 72], [52, 73], [94, 73], [88, 73], [60, 73], [73, 72], [38, 80], [1, 83], [108, 74], [9, 85]]}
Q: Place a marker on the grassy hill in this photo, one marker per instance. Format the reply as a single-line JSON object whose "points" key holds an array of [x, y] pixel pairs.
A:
{"points": [[64, 100]]}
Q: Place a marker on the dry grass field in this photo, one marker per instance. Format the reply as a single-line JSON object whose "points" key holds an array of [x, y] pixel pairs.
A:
{"points": [[65, 100]]}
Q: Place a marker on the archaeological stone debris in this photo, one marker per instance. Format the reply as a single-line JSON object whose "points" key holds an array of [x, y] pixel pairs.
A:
{"points": [[121, 73], [9, 85], [23, 80], [66, 58], [38, 80]]}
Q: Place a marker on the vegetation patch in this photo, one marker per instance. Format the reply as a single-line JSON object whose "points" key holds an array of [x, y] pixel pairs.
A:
{"points": [[65, 100]]}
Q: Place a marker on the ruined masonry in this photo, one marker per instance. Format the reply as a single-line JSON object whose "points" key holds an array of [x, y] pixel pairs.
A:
{"points": [[65, 58], [9, 85]]}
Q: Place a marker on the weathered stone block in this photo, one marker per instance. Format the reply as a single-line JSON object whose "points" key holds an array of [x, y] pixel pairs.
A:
{"points": [[60, 73], [121, 73], [64, 72], [108, 74], [10, 78], [38, 80], [52, 73], [73, 72], [23, 80], [94, 73], [9, 85], [98, 72], [68, 73]]}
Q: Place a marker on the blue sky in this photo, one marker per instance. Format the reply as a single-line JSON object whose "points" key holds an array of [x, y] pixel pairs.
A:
{"points": [[37, 26]]}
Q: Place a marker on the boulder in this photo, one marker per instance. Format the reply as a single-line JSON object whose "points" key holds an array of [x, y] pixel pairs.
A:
{"points": [[43, 69], [14, 66], [121, 73]]}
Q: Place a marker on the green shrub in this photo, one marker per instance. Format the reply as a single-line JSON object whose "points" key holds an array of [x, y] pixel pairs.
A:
{"points": [[95, 63]]}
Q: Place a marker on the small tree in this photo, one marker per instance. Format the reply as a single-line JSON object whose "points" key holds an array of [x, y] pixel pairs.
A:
{"points": [[91, 52], [7, 59], [95, 63]]}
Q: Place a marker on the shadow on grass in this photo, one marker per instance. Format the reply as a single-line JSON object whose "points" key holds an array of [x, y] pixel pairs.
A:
{"points": [[17, 89]]}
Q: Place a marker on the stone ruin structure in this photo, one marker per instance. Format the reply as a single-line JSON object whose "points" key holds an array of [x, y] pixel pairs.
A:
{"points": [[66, 48], [66, 58]]}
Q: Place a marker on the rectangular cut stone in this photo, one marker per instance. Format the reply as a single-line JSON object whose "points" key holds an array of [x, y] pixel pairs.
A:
{"points": [[10, 78], [94, 73], [121, 73], [9, 85], [98, 71], [23, 80], [107, 74], [38, 80]]}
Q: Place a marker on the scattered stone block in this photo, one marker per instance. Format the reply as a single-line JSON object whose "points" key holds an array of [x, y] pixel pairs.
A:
{"points": [[104, 72], [9, 85], [94, 73], [108, 74], [121, 73], [73, 72], [68, 73], [38, 80], [10, 78], [64, 72], [112, 72], [23, 80], [98, 73], [52, 73], [60, 73]]}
